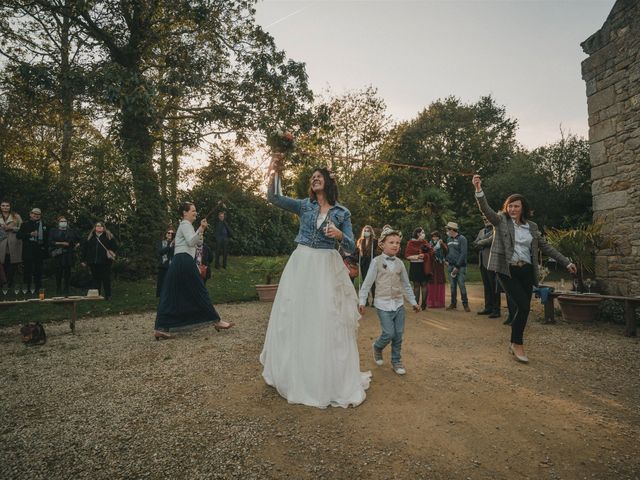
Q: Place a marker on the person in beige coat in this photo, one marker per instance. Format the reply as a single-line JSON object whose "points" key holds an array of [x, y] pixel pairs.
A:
{"points": [[513, 257], [11, 245]]}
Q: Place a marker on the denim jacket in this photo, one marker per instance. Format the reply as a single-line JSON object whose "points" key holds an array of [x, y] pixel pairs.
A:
{"points": [[308, 211]]}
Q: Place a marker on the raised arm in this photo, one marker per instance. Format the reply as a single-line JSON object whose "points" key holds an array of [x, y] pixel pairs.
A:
{"points": [[488, 212], [273, 194]]}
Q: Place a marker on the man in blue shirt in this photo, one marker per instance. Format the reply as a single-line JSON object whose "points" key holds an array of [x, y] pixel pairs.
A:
{"points": [[457, 261]]}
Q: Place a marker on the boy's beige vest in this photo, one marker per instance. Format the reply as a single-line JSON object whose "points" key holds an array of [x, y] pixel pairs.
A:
{"points": [[388, 283]]}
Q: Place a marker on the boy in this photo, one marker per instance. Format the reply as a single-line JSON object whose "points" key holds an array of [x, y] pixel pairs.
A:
{"points": [[391, 279]]}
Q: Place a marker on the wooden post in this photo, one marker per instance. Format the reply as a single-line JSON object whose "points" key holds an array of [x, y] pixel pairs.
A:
{"points": [[630, 319], [549, 311]]}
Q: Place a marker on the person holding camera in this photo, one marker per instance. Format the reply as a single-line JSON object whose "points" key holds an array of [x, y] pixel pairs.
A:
{"points": [[184, 300]]}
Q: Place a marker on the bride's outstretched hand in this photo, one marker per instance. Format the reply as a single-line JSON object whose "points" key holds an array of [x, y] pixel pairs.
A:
{"points": [[276, 163]]}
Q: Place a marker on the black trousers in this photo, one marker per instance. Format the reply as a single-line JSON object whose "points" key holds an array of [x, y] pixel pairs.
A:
{"points": [[63, 274], [491, 292], [9, 269], [32, 270], [519, 289], [101, 278], [221, 251]]}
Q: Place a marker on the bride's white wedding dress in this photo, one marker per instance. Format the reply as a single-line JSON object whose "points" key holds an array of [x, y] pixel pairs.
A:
{"points": [[310, 354]]}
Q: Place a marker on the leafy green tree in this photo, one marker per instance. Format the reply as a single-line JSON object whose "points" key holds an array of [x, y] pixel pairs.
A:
{"points": [[226, 184], [438, 151], [192, 69]]}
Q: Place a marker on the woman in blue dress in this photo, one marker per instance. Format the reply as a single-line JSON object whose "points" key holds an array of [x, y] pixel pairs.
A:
{"points": [[184, 300]]}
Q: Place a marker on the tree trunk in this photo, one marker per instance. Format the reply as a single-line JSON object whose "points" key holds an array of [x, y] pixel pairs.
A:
{"points": [[66, 101], [175, 165], [137, 150], [163, 168]]}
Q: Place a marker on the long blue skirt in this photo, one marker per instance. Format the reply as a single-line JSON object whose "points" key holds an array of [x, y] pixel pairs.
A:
{"points": [[184, 300]]}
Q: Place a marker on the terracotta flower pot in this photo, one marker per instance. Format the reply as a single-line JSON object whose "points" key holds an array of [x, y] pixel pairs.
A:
{"points": [[578, 308], [266, 293]]}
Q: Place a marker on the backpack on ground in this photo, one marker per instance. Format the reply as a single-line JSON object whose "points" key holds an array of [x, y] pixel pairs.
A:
{"points": [[33, 334]]}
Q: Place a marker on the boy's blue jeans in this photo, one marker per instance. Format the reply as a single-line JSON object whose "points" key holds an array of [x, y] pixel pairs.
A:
{"points": [[456, 281], [392, 324]]}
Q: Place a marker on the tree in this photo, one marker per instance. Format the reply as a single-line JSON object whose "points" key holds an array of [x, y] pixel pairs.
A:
{"points": [[196, 68], [45, 55], [346, 132], [442, 146]]}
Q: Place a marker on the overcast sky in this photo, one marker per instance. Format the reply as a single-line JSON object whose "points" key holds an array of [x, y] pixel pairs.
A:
{"points": [[525, 53]]}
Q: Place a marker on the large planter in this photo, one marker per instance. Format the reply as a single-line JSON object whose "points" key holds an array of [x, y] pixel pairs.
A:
{"points": [[266, 293], [579, 308]]}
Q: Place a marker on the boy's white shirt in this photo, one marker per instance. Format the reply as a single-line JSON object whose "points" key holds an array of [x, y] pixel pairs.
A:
{"points": [[387, 304]]}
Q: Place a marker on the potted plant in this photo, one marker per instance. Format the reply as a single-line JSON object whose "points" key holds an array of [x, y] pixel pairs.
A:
{"points": [[580, 245], [270, 269]]}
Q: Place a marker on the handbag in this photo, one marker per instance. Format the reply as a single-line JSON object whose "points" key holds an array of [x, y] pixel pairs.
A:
{"points": [[352, 268], [111, 255], [202, 269]]}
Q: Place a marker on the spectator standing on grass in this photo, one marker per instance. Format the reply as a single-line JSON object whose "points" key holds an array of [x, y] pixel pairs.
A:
{"points": [[63, 242], [165, 255], [222, 234], [457, 265], [33, 234], [10, 245], [95, 253]]}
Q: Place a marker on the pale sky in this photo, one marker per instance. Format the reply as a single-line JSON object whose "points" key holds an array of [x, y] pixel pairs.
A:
{"points": [[525, 53]]}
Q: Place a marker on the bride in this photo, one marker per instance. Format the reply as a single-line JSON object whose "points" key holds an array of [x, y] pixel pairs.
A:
{"points": [[310, 353]]}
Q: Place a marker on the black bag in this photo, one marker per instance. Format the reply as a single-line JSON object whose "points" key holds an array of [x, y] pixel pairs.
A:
{"points": [[33, 334]]}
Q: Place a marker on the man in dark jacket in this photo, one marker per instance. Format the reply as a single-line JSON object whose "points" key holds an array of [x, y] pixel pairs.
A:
{"points": [[223, 234], [33, 234], [491, 293], [457, 261], [165, 255]]}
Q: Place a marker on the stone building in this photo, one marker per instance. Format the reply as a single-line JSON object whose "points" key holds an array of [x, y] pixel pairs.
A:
{"points": [[612, 76]]}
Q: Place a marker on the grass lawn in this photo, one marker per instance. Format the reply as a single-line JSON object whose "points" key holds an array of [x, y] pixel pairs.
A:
{"points": [[226, 286]]}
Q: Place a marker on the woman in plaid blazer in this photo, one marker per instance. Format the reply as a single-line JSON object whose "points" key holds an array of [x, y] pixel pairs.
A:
{"points": [[513, 257]]}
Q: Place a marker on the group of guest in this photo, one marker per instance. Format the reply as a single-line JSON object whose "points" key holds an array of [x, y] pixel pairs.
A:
{"points": [[426, 258], [27, 244]]}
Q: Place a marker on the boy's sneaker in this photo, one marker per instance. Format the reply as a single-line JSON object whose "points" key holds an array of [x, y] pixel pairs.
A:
{"points": [[399, 368], [377, 355]]}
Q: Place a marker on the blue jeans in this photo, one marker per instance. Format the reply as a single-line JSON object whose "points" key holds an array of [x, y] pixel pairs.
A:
{"points": [[456, 281], [392, 324]]}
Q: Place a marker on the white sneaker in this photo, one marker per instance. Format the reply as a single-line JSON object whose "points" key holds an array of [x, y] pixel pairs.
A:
{"points": [[399, 369], [377, 355]]}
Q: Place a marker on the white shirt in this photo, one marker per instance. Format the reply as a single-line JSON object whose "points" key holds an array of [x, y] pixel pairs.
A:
{"points": [[186, 239], [522, 246], [387, 304], [321, 218]]}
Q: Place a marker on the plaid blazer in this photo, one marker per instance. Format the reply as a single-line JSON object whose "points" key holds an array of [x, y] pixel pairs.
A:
{"points": [[504, 241]]}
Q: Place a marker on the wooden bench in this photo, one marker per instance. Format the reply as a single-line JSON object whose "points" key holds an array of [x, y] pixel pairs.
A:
{"points": [[630, 304], [67, 302]]}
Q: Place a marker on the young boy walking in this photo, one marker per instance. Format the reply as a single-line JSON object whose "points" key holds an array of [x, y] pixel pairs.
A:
{"points": [[392, 284]]}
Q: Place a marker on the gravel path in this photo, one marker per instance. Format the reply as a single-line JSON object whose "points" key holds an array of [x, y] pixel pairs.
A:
{"points": [[110, 402]]}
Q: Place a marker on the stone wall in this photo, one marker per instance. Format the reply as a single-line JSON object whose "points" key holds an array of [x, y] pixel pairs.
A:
{"points": [[612, 76]]}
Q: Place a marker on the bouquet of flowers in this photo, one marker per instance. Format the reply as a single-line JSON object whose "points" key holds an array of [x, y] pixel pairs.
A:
{"points": [[281, 142]]}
